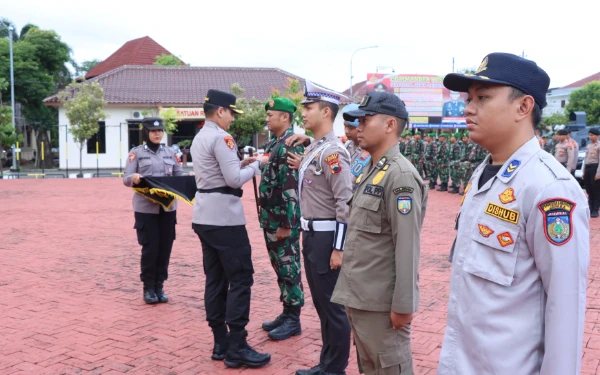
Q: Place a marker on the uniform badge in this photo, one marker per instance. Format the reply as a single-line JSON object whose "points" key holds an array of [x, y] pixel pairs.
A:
{"points": [[374, 190], [271, 103], [334, 163], [558, 225], [507, 196], [502, 213], [364, 155], [131, 158], [482, 66], [505, 239], [484, 230], [465, 193], [378, 177], [403, 189], [404, 205], [307, 181], [381, 162], [511, 168], [229, 142]]}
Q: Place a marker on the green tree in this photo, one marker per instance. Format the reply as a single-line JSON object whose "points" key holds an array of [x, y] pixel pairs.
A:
{"points": [[8, 135], [250, 122], [83, 68], [554, 119], [84, 105], [167, 60], [294, 91], [586, 99]]}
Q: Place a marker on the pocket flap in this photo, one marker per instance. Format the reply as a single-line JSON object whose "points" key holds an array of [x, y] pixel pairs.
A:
{"points": [[368, 203], [169, 161], [138, 225], [395, 356], [496, 235]]}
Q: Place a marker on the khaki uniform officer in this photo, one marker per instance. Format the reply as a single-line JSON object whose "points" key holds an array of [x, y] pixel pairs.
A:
{"points": [[379, 279], [154, 225], [521, 254], [324, 190], [564, 151], [591, 172], [219, 222]]}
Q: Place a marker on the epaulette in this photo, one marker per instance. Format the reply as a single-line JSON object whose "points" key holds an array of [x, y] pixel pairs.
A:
{"points": [[559, 172]]}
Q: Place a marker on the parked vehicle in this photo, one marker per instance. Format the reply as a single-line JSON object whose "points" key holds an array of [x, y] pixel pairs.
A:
{"points": [[579, 169]]}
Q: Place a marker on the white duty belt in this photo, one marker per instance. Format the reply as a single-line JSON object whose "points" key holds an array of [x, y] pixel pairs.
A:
{"points": [[318, 225]]}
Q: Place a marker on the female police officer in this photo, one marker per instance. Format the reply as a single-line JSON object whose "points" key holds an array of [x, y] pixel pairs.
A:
{"points": [[155, 226]]}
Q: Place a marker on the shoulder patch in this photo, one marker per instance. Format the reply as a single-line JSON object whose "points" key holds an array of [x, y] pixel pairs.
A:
{"points": [[229, 142], [404, 205], [131, 157], [558, 225], [334, 163], [374, 190], [403, 189]]}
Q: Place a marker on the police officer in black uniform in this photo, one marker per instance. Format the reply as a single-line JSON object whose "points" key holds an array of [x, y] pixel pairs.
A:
{"points": [[155, 226]]}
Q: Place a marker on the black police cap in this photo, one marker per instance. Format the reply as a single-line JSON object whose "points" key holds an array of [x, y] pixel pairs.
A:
{"points": [[562, 132], [378, 103], [222, 99], [153, 123], [505, 69], [594, 131]]}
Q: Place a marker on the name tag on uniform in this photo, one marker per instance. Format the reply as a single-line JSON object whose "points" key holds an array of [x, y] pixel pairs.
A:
{"points": [[374, 190], [502, 213], [144, 158]]}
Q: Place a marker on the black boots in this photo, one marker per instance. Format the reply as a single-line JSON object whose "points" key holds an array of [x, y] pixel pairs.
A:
{"points": [[150, 296], [240, 353], [316, 370], [443, 186], [593, 208], [221, 339], [290, 326], [454, 190], [431, 185], [160, 293], [269, 326]]}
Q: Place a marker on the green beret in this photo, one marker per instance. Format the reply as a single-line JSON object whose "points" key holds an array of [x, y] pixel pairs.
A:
{"points": [[466, 134], [545, 136], [280, 104], [409, 133], [444, 135]]}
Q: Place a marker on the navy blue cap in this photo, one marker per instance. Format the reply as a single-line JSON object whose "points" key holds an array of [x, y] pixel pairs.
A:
{"points": [[379, 103], [594, 131], [505, 69], [153, 123]]}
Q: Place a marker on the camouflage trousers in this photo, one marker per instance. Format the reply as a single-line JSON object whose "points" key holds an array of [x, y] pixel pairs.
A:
{"points": [[443, 173], [285, 259], [418, 163], [466, 171], [431, 170], [454, 171]]}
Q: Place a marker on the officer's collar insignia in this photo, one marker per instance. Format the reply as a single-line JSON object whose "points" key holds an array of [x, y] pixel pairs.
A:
{"points": [[385, 167], [156, 123], [502, 213], [482, 66], [359, 178], [381, 162], [404, 205], [484, 230], [505, 239], [507, 196], [558, 225], [403, 189], [511, 168]]}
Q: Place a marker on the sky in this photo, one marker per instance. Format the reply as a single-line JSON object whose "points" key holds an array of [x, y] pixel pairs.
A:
{"points": [[316, 40]]}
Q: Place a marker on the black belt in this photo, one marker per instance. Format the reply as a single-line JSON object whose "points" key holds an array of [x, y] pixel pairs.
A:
{"points": [[224, 190], [595, 165]]}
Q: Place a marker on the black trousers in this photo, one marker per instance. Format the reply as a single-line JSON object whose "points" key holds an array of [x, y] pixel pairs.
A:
{"points": [[156, 233], [335, 328], [227, 262], [592, 186]]}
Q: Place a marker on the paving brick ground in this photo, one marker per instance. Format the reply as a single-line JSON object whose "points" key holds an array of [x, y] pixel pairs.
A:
{"points": [[70, 296]]}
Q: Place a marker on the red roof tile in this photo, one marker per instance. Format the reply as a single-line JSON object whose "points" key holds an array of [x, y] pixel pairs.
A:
{"points": [[142, 51], [582, 82]]}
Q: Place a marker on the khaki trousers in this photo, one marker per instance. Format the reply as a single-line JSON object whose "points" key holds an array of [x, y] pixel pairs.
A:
{"points": [[381, 349]]}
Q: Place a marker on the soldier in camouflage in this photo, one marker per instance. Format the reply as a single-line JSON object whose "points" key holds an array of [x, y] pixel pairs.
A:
{"points": [[467, 160], [418, 152], [280, 219], [441, 157], [454, 163], [401, 144], [408, 149], [430, 160]]}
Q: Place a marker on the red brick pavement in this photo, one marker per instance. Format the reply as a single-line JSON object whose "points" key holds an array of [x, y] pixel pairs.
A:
{"points": [[71, 298]]}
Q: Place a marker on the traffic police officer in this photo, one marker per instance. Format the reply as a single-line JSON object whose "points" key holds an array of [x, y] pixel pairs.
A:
{"points": [[155, 226], [280, 219], [591, 172], [219, 222], [358, 157], [325, 187], [519, 269], [379, 279]]}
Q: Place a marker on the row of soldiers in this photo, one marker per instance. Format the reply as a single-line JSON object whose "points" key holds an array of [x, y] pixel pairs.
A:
{"points": [[452, 156]]}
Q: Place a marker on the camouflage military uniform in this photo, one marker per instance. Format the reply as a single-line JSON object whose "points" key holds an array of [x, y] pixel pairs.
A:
{"points": [[280, 209], [402, 146], [442, 161], [431, 151], [416, 157], [454, 162], [467, 162]]}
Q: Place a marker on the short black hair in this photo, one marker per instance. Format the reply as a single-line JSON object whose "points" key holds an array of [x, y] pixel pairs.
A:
{"points": [[536, 114], [290, 117], [401, 125], [333, 107], [210, 109]]}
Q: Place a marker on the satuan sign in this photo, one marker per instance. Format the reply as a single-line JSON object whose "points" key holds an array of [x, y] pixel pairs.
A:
{"points": [[187, 113]]}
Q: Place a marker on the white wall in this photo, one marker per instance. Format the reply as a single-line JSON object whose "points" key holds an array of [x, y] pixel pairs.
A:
{"points": [[554, 99], [116, 116]]}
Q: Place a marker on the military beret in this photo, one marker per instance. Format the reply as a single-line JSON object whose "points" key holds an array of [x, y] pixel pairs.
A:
{"points": [[595, 131], [444, 135], [562, 132], [280, 104], [545, 136], [409, 134]]}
